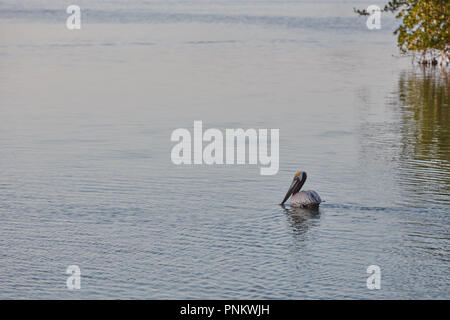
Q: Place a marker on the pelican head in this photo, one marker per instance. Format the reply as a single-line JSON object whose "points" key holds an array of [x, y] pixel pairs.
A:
{"points": [[296, 185], [299, 198]]}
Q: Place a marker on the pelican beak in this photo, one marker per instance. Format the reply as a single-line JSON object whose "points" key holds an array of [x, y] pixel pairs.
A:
{"points": [[295, 187]]}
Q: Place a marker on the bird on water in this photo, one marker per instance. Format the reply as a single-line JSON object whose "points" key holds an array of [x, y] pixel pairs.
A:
{"points": [[302, 199]]}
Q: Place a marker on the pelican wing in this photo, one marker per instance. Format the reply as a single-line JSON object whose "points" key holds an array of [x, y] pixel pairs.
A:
{"points": [[305, 199]]}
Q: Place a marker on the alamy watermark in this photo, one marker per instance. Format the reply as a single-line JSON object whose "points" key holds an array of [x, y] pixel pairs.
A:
{"points": [[73, 22], [374, 280], [239, 147], [74, 280], [374, 19]]}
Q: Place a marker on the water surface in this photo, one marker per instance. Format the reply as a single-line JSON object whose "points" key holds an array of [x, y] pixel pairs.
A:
{"points": [[86, 176]]}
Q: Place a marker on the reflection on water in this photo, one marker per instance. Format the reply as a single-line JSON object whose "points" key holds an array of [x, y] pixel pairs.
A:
{"points": [[405, 144], [301, 219], [424, 160], [424, 97]]}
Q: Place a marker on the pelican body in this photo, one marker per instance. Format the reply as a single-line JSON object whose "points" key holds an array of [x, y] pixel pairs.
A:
{"points": [[303, 199]]}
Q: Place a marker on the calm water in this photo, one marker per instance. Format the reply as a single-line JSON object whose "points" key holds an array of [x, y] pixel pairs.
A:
{"points": [[86, 176]]}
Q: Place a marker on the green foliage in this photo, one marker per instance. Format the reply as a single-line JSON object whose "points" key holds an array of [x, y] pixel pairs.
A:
{"points": [[425, 26]]}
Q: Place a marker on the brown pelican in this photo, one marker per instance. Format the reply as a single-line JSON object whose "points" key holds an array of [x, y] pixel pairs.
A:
{"points": [[299, 198]]}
